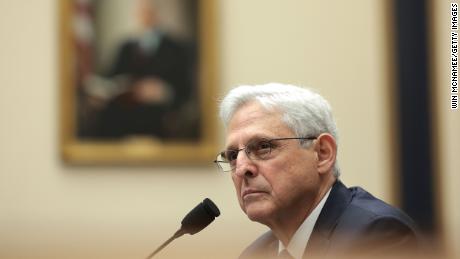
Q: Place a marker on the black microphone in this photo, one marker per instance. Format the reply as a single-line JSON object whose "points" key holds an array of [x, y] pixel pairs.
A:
{"points": [[196, 220]]}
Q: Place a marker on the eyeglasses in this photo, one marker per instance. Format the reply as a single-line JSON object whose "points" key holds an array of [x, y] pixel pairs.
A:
{"points": [[255, 150]]}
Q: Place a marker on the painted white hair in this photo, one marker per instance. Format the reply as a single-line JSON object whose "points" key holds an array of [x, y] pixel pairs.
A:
{"points": [[305, 112]]}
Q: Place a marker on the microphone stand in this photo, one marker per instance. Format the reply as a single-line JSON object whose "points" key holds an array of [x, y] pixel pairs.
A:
{"points": [[196, 220], [178, 233]]}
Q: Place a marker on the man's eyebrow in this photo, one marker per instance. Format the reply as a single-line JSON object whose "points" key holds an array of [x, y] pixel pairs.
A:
{"points": [[229, 147], [263, 137]]}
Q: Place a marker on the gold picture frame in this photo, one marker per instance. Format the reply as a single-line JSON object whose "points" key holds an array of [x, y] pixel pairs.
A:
{"points": [[134, 148]]}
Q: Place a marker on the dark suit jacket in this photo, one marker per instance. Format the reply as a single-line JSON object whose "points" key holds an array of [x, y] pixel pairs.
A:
{"points": [[123, 115], [170, 61], [351, 221]]}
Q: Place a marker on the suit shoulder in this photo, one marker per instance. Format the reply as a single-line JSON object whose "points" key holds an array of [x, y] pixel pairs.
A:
{"points": [[367, 215], [366, 205], [368, 224]]}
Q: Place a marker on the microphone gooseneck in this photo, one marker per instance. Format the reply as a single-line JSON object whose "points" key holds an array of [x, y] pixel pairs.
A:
{"points": [[196, 220]]}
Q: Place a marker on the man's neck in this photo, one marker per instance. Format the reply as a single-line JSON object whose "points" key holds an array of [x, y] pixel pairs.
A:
{"points": [[287, 224], [299, 240]]}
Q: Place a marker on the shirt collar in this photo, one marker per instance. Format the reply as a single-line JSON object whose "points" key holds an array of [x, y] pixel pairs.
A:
{"points": [[150, 40], [299, 240]]}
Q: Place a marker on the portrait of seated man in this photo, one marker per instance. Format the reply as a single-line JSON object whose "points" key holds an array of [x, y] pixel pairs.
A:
{"points": [[149, 88], [281, 150]]}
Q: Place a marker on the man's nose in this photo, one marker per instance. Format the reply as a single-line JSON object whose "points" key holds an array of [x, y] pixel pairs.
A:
{"points": [[245, 167]]}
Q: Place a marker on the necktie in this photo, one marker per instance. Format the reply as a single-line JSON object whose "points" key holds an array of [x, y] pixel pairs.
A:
{"points": [[285, 255]]}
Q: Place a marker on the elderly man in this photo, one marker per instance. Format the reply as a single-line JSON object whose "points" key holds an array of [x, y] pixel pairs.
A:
{"points": [[281, 150]]}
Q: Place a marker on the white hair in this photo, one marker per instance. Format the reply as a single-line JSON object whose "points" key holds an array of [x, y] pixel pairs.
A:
{"points": [[305, 112]]}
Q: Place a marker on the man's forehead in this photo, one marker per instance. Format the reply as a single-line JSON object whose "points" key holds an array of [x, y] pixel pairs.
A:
{"points": [[252, 121]]}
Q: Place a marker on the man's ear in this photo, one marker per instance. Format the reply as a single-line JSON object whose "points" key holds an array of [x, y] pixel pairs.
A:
{"points": [[326, 149]]}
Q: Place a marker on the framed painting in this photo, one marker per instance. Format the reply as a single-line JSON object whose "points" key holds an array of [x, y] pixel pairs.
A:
{"points": [[137, 81]]}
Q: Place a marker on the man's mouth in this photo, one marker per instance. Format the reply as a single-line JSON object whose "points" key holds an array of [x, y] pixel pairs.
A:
{"points": [[251, 192]]}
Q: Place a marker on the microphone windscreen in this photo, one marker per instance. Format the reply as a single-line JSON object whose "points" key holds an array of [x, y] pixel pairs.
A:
{"points": [[200, 217]]}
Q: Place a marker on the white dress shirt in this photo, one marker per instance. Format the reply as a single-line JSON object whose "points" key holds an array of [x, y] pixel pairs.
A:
{"points": [[299, 240]]}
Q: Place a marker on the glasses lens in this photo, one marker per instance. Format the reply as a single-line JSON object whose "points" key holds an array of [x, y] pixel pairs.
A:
{"points": [[230, 155], [223, 163], [259, 149]]}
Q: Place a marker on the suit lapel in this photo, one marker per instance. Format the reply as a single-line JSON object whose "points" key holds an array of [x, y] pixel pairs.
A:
{"points": [[335, 205]]}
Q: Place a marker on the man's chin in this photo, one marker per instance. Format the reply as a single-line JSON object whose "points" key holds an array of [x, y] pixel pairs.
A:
{"points": [[257, 213]]}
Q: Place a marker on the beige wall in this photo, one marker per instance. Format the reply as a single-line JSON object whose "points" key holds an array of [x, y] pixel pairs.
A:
{"points": [[48, 209]]}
